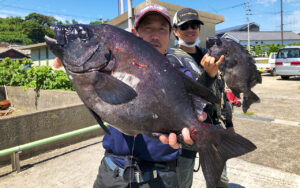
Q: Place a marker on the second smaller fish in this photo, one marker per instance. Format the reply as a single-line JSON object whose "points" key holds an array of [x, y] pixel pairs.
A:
{"points": [[238, 68]]}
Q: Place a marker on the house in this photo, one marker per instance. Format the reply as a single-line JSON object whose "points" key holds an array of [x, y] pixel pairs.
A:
{"points": [[260, 37], [240, 34], [40, 54], [253, 27], [11, 53], [209, 19]]}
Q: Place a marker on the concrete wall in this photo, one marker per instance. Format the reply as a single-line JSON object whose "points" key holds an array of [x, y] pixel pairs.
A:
{"points": [[58, 112], [47, 98]]}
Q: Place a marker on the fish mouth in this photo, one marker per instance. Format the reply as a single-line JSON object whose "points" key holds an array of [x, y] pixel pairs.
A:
{"points": [[83, 67]]}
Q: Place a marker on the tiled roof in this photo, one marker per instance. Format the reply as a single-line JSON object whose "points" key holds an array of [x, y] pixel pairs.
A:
{"points": [[235, 28], [43, 44]]}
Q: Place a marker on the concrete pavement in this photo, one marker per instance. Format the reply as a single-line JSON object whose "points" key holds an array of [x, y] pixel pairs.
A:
{"points": [[77, 166]]}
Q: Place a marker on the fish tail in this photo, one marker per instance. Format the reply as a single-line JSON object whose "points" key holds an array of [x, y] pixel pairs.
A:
{"points": [[215, 146], [248, 99]]}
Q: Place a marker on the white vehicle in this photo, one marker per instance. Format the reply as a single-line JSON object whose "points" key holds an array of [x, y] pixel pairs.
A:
{"points": [[266, 64], [288, 62]]}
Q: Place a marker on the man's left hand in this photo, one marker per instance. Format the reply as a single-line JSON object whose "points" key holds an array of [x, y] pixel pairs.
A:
{"points": [[172, 139]]}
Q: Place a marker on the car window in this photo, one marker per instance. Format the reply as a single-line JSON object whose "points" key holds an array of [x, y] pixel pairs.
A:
{"points": [[289, 53], [273, 56]]}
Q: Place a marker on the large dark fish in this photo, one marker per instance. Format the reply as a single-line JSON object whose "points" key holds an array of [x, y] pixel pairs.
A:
{"points": [[239, 69], [126, 82]]}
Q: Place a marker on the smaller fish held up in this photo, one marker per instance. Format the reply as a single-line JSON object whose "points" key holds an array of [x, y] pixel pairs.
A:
{"points": [[238, 68]]}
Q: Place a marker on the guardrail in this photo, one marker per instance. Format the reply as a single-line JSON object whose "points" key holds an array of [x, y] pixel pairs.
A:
{"points": [[15, 151]]}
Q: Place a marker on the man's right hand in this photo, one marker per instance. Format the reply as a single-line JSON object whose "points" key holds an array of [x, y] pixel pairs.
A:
{"points": [[57, 63], [210, 66]]}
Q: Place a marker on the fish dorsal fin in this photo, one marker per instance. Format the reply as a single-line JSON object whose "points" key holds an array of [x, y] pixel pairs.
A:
{"points": [[200, 90], [99, 120], [113, 91]]}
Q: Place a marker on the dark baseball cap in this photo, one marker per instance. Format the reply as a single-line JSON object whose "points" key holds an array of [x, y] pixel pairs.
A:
{"points": [[151, 9], [184, 15]]}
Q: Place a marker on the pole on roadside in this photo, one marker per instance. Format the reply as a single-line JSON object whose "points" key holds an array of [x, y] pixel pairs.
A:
{"points": [[248, 20], [281, 24], [122, 6], [130, 15]]}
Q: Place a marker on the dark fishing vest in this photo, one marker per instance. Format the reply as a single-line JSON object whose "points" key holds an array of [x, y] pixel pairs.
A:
{"points": [[180, 58]]}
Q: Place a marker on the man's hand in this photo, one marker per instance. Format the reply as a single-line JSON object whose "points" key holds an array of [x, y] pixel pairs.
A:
{"points": [[208, 63], [172, 139], [57, 63]]}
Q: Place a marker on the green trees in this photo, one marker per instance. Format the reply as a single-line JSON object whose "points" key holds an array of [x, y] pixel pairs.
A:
{"points": [[266, 49], [31, 29], [11, 31], [41, 19]]}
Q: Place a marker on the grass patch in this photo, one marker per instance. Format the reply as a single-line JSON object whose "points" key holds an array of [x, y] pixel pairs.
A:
{"points": [[248, 113]]}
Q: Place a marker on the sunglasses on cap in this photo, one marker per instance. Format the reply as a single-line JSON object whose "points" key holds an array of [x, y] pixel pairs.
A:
{"points": [[193, 25]]}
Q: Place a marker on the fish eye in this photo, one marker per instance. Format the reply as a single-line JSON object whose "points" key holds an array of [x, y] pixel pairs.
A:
{"points": [[82, 34]]}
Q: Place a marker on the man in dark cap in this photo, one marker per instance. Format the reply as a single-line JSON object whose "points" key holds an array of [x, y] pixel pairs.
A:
{"points": [[186, 28]]}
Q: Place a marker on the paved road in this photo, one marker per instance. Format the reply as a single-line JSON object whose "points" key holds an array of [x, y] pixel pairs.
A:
{"points": [[274, 128]]}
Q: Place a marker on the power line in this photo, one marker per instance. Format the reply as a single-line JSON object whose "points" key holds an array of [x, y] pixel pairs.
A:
{"points": [[231, 7]]}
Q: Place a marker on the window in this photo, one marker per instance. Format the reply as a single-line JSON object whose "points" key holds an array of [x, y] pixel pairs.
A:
{"points": [[289, 53]]}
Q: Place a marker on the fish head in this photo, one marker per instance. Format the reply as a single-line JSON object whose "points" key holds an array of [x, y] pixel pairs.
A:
{"points": [[86, 56], [78, 46], [215, 47]]}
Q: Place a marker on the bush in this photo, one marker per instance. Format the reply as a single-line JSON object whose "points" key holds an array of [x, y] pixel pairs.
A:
{"points": [[15, 73]]}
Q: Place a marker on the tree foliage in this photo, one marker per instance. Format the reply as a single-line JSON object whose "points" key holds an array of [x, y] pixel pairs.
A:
{"points": [[11, 31], [266, 49], [31, 29], [41, 19]]}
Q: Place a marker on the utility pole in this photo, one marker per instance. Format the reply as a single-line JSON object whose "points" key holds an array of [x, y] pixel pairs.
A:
{"points": [[130, 15], [122, 6], [248, 20], [281, 24], [118, 7]]}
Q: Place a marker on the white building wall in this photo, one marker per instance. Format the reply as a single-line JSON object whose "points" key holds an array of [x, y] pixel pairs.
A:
{"points": [[43, 60]]}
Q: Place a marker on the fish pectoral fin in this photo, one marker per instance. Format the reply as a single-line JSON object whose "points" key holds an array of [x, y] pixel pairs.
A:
{"points": [[199, 90], [113, 91], [99, 120]]}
